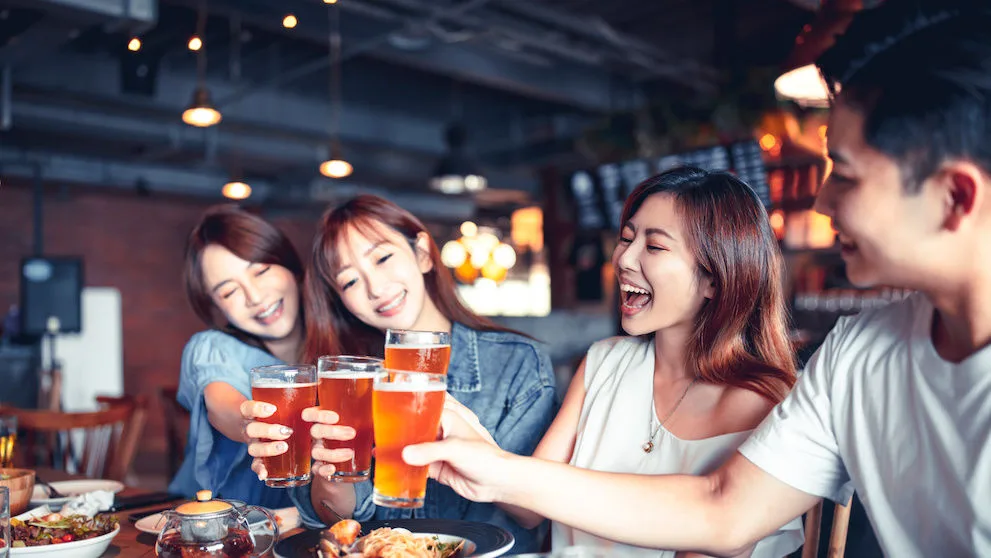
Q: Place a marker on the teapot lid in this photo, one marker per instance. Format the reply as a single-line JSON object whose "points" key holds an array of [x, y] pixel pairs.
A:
{"points": [[204, 504]]}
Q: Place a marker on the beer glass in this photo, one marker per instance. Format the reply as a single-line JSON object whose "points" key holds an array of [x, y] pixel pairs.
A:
{"points": [[346, 388], [8, 437], [4, 522], [406, 409], [420, 351], [291, 388]]}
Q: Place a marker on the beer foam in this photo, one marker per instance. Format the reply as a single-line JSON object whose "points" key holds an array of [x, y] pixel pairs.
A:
{"points": [[276, 383], [418, 347], [410, 386], [336, 375]]}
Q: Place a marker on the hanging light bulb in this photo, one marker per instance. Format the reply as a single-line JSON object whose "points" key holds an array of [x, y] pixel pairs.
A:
{"points": [[134, 44], [236, 190], [336, 168], [195, 43], [201, 112], [289, 21]]}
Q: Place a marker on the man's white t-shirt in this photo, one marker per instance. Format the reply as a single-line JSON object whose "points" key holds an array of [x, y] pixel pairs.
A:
{"points": [[879, 411]]}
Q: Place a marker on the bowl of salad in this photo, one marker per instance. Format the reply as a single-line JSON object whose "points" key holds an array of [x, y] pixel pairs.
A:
{"points": [[71, 536]]}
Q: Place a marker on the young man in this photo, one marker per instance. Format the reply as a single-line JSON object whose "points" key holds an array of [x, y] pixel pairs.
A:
{"points": [[896, 404]]}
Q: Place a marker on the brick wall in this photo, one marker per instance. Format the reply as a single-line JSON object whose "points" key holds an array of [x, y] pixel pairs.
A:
{"points": [[134, 244]]}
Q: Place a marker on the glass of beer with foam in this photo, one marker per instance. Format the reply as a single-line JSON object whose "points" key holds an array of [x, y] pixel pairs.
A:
{"points": [[420, 351], [406, 409], [346, 388], [291, 388]]}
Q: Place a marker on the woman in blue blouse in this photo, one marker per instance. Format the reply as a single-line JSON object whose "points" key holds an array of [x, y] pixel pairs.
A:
{"points": [[243, 279], [375, 267]]}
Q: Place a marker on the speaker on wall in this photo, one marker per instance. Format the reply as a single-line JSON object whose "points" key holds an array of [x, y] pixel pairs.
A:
{"points": [[51, 287]]}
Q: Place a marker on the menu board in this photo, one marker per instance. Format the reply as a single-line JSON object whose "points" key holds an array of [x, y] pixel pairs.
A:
{"points": [[599, 193]]}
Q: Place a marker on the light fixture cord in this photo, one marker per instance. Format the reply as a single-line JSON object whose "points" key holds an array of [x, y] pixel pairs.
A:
{"points": [[334, 42], [201, 53]]}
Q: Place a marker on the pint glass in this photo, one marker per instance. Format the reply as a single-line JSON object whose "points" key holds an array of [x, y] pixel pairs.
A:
{"points": [[346, 388], [291, 388], [420, 351], [406, 408]]}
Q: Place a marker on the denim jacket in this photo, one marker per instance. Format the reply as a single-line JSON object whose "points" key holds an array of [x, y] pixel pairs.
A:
{"points": [[507, 381], [214, 461]]}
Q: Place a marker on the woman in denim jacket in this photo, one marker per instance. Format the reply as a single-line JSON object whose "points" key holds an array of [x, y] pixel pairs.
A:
{"points": [[243, 279], [375, 267]]}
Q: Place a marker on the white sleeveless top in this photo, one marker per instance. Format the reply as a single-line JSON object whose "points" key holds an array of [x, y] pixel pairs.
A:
{"points": [[619, 375]]}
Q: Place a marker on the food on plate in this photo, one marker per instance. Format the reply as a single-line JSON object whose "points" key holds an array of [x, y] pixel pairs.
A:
{"points": [[341, 541], [57, 529]]}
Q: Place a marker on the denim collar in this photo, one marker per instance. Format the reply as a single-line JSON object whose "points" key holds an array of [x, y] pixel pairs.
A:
{"points": [[464, 373]]}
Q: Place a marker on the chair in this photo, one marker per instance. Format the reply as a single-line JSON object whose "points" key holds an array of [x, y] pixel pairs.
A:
{"points": [[837, 536], [52, 438], [176, 427], [120, 467]]}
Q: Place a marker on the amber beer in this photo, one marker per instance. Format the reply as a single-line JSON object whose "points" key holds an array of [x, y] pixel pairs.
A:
{"points": [[8, 437], [420, 351], [346, 384], [291, 388], [406, 407]]}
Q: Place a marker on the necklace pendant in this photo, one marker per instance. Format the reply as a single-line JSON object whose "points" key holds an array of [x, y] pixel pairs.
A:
{"points": [[647, 446]]}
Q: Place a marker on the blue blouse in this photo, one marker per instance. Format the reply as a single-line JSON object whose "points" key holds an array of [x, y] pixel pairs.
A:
{"points": [[508, 382], [214, 461]]}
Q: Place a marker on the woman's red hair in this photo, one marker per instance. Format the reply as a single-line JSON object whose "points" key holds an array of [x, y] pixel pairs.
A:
{"points": [[741, 334]]}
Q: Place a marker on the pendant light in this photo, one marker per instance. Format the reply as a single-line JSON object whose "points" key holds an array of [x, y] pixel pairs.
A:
{"points": [[335, 166], [201, 112]]}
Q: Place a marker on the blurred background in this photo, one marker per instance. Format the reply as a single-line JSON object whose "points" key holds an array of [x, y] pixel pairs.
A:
{"points": [[514, 128]]}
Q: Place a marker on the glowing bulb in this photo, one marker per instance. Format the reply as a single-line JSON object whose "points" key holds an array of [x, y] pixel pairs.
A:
{"points": [[504, 256], [453, 254], [134, 44], [236, 190], [195, 43], [329, 1], [768, 142], [469, 229], [201, 117], [336, 168], [289, 21]]}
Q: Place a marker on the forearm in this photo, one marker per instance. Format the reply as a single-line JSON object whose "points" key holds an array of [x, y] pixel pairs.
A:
{"points": [[339, 496], [224, 413], [526, 518], [677, 512]]}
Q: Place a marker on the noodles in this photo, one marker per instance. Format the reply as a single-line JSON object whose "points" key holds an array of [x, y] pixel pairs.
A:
{"points": [[393, 543]]}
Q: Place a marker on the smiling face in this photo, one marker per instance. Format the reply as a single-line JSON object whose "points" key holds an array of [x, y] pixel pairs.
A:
{"points": [[887, 236], [660, 282], [260, 299], [380, 277]]}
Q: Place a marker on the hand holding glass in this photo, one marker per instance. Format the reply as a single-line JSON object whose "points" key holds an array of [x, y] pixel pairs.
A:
{"points": [[406, 407], [290, 388], [346, 388]]}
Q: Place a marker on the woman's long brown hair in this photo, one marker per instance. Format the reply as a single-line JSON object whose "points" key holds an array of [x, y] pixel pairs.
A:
{"points": [[331, 328], [248, 237], [741, 334]]}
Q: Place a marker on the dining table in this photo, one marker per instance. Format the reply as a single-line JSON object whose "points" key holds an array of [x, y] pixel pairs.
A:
{"points": [[130, 542]]}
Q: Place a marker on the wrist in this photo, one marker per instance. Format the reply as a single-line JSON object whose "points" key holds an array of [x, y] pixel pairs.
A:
{"points": [[509, 484]]}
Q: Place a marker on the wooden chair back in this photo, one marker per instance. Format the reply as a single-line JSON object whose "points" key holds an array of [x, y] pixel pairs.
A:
{"points": [[837, 535], [49, 440]]}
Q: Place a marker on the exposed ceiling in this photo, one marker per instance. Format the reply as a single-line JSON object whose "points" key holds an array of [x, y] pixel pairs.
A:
{"points": [[525, 76]]}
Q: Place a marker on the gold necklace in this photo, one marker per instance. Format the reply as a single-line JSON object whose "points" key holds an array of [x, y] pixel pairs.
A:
{"points": [[648, 446]]}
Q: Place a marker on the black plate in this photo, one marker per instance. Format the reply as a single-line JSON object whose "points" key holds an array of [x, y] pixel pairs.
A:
{"points": [[489, 540]]}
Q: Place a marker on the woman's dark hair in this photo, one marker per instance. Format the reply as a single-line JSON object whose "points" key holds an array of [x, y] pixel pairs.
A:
{"points": [[248, 237], [741, 333], [331, 328], [920, 73]]}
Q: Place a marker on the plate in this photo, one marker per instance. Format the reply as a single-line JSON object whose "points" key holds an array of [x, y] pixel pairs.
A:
{"points": [[481, 539], [288, 518], [71, 489], [89, 548]]}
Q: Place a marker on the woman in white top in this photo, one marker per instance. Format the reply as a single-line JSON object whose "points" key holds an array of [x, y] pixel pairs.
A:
{"points": [[707, 357]]}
